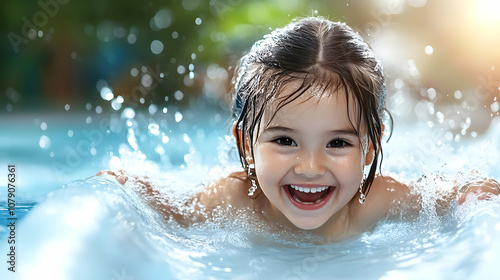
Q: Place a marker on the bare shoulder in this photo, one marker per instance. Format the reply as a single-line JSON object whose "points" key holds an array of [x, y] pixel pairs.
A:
{"points": [[386, 190], [230, 190], [385, 193]]}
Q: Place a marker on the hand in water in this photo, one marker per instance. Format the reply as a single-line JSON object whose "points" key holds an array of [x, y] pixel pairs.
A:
{"points": [[482, 189], [120, 175]]}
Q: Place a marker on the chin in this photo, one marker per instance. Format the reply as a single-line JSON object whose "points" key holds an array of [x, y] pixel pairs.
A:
{"points": [[308, 225]]}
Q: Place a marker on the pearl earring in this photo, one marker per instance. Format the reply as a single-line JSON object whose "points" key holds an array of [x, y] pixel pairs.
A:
{"points": [[253, 191], [362, 197]]}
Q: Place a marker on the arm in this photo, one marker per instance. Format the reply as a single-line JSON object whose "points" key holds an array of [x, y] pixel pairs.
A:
{"points": [[215, 199], [149, 194], [482, 189], [396, 201]]}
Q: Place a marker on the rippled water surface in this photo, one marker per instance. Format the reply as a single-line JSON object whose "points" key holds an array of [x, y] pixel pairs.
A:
{"points": [[76, 226]]}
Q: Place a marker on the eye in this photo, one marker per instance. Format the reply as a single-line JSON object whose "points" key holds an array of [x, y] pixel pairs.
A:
{"points": [[338, 143], [285, 141]]}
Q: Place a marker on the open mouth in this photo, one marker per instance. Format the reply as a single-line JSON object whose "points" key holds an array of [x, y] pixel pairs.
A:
{"points": [[309, 197]]}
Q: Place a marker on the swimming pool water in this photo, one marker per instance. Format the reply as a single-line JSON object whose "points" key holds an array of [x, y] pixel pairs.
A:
{"points": [[76, 226], [98, 229]]}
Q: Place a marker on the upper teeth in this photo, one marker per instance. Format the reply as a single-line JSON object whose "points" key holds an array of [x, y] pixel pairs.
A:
{"points": [[309, 190]]}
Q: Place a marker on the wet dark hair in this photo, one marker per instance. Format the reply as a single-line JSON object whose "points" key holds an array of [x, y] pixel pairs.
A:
{"points": [[321, 54]]}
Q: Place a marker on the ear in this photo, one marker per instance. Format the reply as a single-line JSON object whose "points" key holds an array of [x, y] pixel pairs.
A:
{"points": [[237, 132], [371, 149]]}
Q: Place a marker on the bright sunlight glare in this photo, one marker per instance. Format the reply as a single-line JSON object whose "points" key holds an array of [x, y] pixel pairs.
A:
{"points": [[488, 10]]}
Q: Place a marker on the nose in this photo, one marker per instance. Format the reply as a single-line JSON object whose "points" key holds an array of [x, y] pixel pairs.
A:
{"points": [[310, 164]]}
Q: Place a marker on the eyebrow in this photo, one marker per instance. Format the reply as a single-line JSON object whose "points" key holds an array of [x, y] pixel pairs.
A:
{"points": [[345, 131]]}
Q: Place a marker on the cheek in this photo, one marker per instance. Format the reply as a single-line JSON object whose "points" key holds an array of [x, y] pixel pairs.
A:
{"points": [[349, 168], [268, 164]]}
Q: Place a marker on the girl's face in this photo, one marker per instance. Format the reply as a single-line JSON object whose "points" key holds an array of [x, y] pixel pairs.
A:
{"points": [[309, 159]]}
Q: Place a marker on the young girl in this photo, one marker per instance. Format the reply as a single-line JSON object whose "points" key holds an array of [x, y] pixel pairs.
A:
{"points": [[308, 106]]}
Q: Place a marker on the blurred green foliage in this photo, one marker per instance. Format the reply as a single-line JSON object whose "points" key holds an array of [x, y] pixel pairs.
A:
{"points": [[77, 43], [57, 52]]}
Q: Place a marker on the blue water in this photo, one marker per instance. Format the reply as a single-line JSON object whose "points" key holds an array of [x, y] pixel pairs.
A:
{"points": [[72, 225]]}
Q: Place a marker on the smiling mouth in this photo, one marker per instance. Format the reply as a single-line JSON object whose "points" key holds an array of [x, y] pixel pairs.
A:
{"points": [[309, 197]]}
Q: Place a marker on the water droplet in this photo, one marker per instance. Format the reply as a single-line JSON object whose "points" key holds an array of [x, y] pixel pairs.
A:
{"points": [[162, 19], [431, 93], [132, 141], [70, 133], [116, 105], [186, 138], [429, 50], [156, 47], [198, 21], [178, 116], [152, 109], [154, 129], [146, 80], [106, 93], [32, 34], [88, 120], [473, 134], [159, 150], [98, 109], [44, 142], [128, 113], [448, 136], [494, 107], [178, 95], [175, 35], [165, 139], [43, 126], [131, 39], [88, 106], [67, 107], [457, 94], [181, 69], [134, 72], [165, 110], [440, 117]]}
